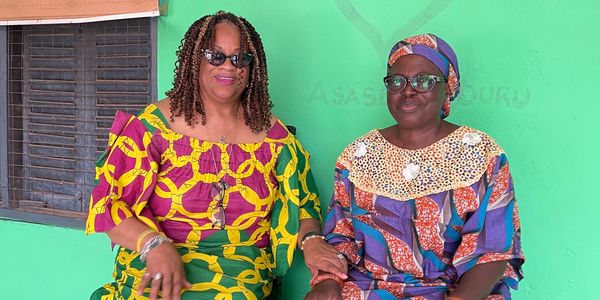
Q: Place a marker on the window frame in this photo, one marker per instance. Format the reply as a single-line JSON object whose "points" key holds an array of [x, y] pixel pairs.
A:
{"points": [[6, 213]]}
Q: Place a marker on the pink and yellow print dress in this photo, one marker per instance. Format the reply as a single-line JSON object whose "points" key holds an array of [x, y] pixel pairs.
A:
{"points": [[166, 180]]}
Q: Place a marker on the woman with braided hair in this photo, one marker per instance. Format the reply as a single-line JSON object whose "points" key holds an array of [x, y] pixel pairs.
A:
{"points": [[206, 192]]}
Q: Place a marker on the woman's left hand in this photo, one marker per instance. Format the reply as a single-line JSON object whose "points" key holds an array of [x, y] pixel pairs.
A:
{"points": [[320, 256]]}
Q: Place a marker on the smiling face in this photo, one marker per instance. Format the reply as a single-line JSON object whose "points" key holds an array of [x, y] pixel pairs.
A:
{"points": [[223, 83], [410, 108]]}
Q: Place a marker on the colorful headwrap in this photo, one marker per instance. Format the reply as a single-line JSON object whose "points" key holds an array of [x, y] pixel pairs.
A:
{"points": [[439, 53]]}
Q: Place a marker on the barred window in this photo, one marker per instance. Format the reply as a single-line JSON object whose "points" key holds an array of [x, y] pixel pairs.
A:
{"points": [[65, 83]]}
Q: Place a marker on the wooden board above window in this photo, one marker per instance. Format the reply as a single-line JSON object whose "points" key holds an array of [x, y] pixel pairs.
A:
{"points": [[35, 12]]}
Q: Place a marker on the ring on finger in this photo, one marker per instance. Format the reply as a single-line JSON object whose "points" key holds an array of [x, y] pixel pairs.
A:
{"points": [[340, 256], [158, 276]]}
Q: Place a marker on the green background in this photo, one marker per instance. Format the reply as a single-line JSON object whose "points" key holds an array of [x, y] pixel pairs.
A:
{"points": [[529, 72]]}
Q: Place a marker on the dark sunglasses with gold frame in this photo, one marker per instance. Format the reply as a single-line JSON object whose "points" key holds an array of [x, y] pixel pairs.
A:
{"points": [[217, 58]]}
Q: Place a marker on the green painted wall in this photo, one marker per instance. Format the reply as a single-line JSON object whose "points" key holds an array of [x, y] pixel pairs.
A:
{"points": [[51, 263], [528, 69]]}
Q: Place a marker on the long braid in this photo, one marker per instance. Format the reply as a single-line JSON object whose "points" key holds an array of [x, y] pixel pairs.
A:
{"points": [[182, 71], [197, 104], [257, 111], [185, 94]]}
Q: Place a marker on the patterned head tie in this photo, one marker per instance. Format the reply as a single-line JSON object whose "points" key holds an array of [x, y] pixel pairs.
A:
{"points": [[439, 53]]}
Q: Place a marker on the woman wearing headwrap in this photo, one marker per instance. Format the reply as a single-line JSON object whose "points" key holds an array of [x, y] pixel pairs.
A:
{"points": [[423, 209]]}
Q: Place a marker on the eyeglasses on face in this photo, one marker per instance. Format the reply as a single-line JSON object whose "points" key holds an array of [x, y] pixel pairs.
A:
{"points": [[217, 211], [217, 58], [422, 82]]}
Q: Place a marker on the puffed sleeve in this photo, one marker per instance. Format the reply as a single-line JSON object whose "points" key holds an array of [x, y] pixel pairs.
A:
{"points": [[125, 177], [308, 194], [297, 199], [492, 232], [338, 228]]}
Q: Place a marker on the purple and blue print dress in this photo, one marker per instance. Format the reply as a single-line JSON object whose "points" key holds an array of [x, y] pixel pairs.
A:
{"points": [[412, 222]]}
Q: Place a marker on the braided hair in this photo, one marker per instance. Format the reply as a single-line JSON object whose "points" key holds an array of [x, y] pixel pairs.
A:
{"points": [[185, 94]]}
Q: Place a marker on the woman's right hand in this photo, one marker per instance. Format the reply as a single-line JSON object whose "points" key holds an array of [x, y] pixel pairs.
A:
{"points": [[164, 259], [320, 256], [325, 290]]}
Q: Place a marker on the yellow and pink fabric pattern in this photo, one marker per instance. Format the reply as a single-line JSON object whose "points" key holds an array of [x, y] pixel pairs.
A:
{"points": [[164, 179]]}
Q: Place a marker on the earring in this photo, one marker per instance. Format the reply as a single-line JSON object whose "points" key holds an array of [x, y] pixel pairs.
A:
{"points": [[445, 111]]}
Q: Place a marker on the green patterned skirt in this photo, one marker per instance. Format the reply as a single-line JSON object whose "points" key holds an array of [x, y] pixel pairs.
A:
{"points": [[216, 271]]}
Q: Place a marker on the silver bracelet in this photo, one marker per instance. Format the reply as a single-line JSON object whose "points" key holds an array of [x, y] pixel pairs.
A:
{"points": [[152, 243], [309, 238]]}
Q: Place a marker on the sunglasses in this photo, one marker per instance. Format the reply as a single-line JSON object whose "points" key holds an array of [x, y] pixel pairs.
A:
{"points": [[217, 211], [422, 82], [217, 58]]}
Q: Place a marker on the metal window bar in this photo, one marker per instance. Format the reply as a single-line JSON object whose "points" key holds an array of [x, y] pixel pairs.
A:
{"points": [[3, 120], [65, 83]]}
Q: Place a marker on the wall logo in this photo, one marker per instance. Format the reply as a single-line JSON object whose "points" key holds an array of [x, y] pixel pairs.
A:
{"points": [[409, 27], [511, 97], [370, 96]]}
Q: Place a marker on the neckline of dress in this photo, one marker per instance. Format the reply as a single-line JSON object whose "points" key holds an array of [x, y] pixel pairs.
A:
{"points": [[168, 129], [434, 144]]}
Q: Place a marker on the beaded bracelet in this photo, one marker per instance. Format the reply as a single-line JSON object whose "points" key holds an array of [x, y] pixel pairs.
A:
{"points": [[308, 236], [326, 276], [141, 238], [152, 243]]}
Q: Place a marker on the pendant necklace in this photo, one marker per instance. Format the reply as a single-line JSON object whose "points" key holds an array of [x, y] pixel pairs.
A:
{"points": [[217, 215], [222, 136]]}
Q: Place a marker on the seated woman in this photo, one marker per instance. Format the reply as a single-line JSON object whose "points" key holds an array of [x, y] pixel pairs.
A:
{"points": [[423, 209], [206, 192]]}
